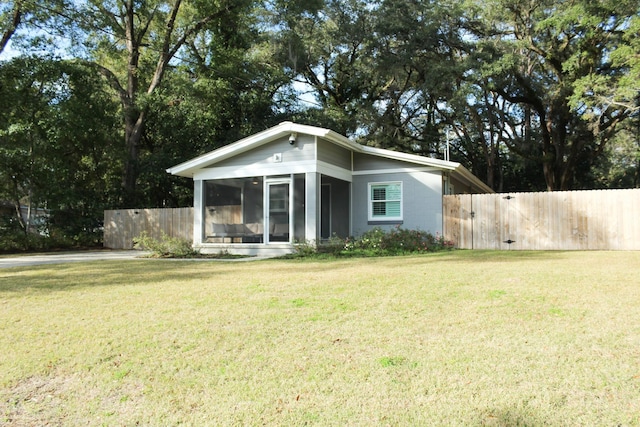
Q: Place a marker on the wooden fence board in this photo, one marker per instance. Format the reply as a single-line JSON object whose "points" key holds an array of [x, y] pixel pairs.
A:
{"points": [[563, 220], [122, 226], [576, 220]]}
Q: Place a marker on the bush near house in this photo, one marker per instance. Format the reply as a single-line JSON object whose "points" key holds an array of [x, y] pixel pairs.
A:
{"points": [[378, 242], [166, 246]]}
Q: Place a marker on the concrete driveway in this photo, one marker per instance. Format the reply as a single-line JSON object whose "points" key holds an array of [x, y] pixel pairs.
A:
{"points": [[64, 257]]}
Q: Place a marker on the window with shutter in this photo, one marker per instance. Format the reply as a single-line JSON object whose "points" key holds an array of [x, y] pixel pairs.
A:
{"points": [[385, 201]]}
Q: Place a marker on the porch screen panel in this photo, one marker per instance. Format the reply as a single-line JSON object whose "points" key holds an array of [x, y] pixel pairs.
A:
{"points": [[233, 211]]}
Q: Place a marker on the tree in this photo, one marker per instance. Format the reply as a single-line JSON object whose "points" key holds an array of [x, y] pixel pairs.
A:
{"points": [[10, 19], [31, 14], [25, 96], [133, 44], [537, 54], [56, 128]]}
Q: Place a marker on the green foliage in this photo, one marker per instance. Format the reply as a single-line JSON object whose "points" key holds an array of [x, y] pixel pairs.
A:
{"points": [[376, 242], [396, 241], [305, 248], [14, 239], [166, 246], [57, 150], [530, 95]]}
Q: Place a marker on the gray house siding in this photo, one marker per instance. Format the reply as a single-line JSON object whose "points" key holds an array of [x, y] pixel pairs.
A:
{"points": [[421, 199], [459, 187], [363, 162], [302, 150], [333, 154]]}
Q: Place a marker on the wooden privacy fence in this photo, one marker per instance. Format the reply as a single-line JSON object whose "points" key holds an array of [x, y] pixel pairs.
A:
{"points": [[122, 226], [564, 220]]}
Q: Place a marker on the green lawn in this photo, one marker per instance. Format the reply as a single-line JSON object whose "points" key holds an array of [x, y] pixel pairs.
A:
{"points": [[456, 338]]}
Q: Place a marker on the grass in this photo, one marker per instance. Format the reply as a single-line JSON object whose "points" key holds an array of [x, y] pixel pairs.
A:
{"points": [[456, 338]]}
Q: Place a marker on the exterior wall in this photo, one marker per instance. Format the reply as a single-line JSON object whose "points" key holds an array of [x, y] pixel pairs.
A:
{"points": [[422, 186], [334, 155], [363, 162], [302, 150], [421, 199], [460, 188], [277, 157]]}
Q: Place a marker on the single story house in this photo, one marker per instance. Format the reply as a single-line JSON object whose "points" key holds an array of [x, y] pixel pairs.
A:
{"points": [[297, 183]]}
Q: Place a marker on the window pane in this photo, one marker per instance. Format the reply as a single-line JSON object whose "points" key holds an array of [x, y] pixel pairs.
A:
{"points": [[378, 193], [393, 209], [379, 209], [393, 192]]}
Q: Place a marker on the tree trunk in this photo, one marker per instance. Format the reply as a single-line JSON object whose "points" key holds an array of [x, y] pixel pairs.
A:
{"points": [[134, 127], [16, 19]]}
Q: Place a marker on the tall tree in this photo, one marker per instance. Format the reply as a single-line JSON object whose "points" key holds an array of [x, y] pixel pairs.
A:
{"points": [[538, 53], [133, 44]]}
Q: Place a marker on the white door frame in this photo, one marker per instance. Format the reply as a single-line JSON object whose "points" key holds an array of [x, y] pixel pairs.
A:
{"points": [[268, 182]]}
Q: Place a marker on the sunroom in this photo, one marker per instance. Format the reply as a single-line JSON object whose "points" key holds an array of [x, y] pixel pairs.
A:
{"points": [[246, 213]]}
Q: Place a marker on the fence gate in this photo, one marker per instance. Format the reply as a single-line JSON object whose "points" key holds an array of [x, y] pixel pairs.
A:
{"points": [[564, 220]]}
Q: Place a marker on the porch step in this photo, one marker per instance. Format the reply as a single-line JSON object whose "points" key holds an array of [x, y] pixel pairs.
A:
{"points": [[270, 250]]}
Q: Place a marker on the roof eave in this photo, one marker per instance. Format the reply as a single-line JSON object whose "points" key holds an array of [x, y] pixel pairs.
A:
{"points": [[473, 180], [188, 168]]}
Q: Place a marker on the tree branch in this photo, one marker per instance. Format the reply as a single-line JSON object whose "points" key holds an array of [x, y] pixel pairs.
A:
{"points": [[15, 22], [111, 78]]}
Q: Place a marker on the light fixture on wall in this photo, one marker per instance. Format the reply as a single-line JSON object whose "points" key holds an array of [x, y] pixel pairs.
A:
{"points": [[292, 138], [254, 181]]}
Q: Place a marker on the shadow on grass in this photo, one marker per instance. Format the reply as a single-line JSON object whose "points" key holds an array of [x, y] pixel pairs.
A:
{"points": [[75, 276], [496, 255], [512, 417]]}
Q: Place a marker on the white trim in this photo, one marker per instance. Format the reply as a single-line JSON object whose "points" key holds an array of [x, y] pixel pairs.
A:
{"points": [[406, 157], [256, 170], [395, 170], [267, 207], [311, 206], [292, 168], [188, 168], [370, 201], [334, 171], [194, 168], [198, 212]]}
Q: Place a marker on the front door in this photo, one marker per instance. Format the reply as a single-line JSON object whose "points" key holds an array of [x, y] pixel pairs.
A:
{"points": [[277, 218]]}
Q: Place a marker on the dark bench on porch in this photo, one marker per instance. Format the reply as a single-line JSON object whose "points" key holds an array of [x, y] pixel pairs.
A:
{"points": [[248, 233]]}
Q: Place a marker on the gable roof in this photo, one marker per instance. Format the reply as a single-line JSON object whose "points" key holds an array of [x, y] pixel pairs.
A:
{"points": [[188, 168]]}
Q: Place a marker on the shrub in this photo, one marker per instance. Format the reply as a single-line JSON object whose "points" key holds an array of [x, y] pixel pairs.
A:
{"points": [[166, 246], [14, 240], [334, 246], [304, 248], [397, 241]]}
